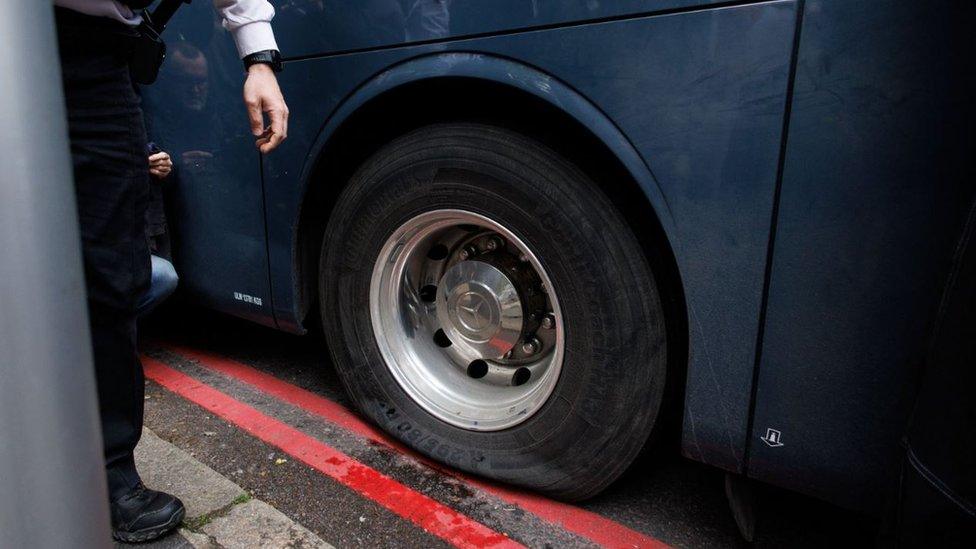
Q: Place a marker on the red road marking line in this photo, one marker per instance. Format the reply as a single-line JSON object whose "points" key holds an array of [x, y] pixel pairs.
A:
{"points": [[592, 526], [438, 519]]}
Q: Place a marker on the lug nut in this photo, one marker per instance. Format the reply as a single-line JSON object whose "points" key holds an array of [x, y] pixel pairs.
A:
{"points": [[467, 253], [493, 244], [548, 322], [531, 346]]}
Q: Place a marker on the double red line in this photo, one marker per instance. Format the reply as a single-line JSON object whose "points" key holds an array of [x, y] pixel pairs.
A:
{"points": [[434, 517]]}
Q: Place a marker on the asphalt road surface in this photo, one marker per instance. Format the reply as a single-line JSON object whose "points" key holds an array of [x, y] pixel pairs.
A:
{"points": [[267, 410]]}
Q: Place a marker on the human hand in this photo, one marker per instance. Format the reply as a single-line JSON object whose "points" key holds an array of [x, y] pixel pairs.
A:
{"points": [[160, 165], [262, 95]]}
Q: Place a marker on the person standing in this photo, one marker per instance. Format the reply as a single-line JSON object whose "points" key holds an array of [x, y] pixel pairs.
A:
{"points": [[108, 144]]}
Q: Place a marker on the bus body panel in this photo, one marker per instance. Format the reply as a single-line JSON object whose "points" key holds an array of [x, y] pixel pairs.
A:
{"points": [[871, 200], [355, 25], [215, 197]]}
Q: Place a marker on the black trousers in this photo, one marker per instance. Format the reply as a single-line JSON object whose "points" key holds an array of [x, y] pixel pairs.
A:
{"points": [[108, 150]]}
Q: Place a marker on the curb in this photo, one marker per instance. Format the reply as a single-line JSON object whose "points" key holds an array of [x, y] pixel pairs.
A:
{"points": [[219, 513]]}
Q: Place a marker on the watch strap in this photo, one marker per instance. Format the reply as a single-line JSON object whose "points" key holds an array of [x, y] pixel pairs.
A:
{"points": [[271, 58]]}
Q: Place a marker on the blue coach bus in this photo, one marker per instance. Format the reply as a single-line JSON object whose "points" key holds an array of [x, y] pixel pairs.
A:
{"points": [[536, 230]]}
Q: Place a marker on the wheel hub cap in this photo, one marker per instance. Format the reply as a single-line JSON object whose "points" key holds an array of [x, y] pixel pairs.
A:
{"points": [[457, 303], [479, 308]]}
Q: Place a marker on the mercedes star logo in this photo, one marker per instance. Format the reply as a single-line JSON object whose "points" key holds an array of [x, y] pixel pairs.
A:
{"points": [[474, 311]]}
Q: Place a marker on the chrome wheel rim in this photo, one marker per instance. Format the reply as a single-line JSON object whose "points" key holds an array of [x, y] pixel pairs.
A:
{"points": [[466, 320]]}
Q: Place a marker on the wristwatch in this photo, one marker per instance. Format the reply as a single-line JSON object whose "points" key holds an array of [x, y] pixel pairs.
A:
{"points": [[272, 58]]}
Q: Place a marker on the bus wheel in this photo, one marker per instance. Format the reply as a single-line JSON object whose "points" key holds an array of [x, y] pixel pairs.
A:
{"points": [[486, 304]]}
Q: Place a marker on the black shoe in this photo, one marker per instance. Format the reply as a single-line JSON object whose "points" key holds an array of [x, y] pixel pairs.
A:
{"points": [[142, 515]]}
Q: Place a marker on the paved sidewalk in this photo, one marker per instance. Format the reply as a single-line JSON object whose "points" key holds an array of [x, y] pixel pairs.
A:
{"points": [[219, 513]]}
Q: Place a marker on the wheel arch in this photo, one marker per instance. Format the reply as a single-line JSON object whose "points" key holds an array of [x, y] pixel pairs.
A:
{"points": [[484, 88]]}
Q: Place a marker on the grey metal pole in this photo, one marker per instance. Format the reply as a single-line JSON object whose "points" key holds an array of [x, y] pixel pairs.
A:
{"points": [[52, 478]]}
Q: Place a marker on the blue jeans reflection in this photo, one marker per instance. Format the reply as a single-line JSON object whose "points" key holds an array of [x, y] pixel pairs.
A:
{"points": [[164, 280]]}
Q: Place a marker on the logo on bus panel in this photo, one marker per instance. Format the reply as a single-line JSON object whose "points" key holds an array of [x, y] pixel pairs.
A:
{"points": [[772, 438]]}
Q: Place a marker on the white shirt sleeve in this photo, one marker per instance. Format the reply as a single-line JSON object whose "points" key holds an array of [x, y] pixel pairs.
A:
{"points": [[249, 21]]}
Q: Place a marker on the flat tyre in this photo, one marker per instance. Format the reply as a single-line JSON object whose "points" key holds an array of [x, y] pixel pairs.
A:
{"points": [[486, 304]]}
